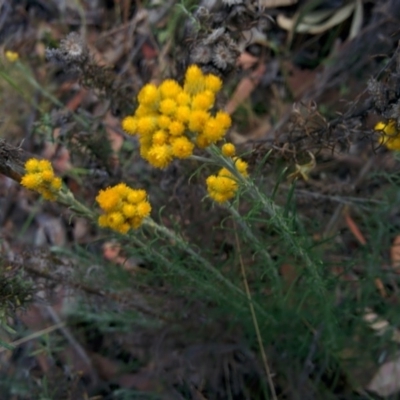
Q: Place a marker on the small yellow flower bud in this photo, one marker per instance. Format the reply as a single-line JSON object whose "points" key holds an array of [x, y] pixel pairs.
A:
{"points": [[228, 150], [129, 125]]}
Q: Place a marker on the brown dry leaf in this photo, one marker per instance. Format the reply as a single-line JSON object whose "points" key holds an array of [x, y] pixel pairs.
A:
{"points": [[142, 380], [76, 101], [354, 229], [395, 254], [299, 80], [289, 273], [246, 60], [112, 252], [116, 139], [244, 88]]}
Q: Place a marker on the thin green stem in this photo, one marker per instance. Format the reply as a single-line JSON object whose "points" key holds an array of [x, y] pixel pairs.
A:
{"points": [[255, 320], [178, 240], [275, 212], [253, 240], [66, 197]]}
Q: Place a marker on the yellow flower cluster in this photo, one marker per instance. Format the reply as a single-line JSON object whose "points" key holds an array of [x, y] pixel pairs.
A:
{"points": [[223, 186], [124, 207], [390, 136], [40, 177], [11, 56], [170, 119]]}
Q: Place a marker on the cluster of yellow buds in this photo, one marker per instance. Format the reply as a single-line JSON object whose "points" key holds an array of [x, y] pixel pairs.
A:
{"points": [[223, 186], [40, 177], [124, 207], [390, 135], [11, 56], [171, 120]]}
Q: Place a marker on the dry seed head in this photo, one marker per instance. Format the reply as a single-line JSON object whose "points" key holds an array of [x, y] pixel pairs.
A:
{"points": [[202, 13], [73, 47], [201, 54], [223, 56]]}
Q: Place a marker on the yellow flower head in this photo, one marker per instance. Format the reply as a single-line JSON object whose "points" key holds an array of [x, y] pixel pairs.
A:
{"points": [[159, 156], [163, 121], [241, 166], [122, 189], [223, 119], [194, 80], [146, 125], [160, 137], [213, 130], [390, 136], [32, 165], [55, 184], [47, 175], [213, 83], [170, 89], [143, 209], [40, 177], [176, 128], [203, 101], [129, 125], [183, 99], [45, 165], [228, 150], [197, 120], [182, 147], [144, 111], [115, 220], [182, 114], [137, 196], [108, 199], [149, 96], [31, 180], [129, 210], [202, 141], [168, 106]]}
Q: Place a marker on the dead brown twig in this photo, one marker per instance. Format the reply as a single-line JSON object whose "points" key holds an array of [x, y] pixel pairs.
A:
{"points": [[12, 160]]}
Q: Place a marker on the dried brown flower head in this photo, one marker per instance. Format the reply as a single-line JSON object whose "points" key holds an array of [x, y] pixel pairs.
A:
{"points": [[72, 52], [201, 54], [223, 57]]}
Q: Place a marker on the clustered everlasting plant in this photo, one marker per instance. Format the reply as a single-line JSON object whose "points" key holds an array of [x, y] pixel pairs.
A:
{"points": [[223, 186], [171, 120], [124, 207], [40, 177]]}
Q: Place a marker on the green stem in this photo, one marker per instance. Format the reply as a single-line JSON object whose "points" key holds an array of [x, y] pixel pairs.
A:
{"points": [[274, 211], [67, 198], [209, 267]]}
